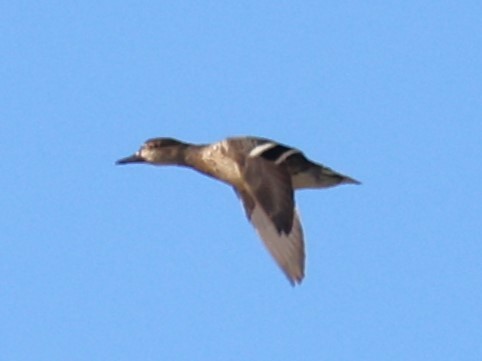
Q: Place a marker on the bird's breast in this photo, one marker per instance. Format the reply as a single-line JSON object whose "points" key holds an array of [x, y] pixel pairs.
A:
{"points": [[215, 161]]}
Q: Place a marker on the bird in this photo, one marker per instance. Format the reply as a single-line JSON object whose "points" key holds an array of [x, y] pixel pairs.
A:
{"points": [[264, 174]]}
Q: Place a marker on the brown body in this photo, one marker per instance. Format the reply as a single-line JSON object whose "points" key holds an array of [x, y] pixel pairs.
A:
{"points": [[264, 174]]}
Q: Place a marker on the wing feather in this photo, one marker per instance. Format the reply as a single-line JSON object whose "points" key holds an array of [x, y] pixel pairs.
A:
{"points": [[268, 200], [287, 249], [270, 185]]}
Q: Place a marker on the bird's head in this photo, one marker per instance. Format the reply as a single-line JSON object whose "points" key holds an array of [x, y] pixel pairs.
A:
{"points": [[161, 151]]}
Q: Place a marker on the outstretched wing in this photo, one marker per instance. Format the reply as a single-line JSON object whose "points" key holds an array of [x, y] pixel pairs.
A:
{"points": [[269, 204]]}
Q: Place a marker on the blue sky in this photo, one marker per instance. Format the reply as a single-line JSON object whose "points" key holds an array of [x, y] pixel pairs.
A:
{"points": [[99, 262]]}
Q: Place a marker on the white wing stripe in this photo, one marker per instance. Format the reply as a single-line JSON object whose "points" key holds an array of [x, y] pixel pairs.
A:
{"points": [[285, 155], [260, 149]]}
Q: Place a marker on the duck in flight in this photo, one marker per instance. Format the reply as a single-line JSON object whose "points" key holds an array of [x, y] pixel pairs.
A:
{"points": [[264, 175]]}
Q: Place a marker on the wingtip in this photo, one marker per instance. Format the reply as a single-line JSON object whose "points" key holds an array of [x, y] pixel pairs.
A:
{"points": [[295, 281], [294, 278]]}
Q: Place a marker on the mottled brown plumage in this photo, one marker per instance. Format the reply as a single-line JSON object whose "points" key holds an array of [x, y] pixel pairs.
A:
{"points": [[264, 174]]}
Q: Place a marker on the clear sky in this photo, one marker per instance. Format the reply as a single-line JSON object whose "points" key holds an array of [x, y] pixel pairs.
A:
{"points": [[99, 262]]}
